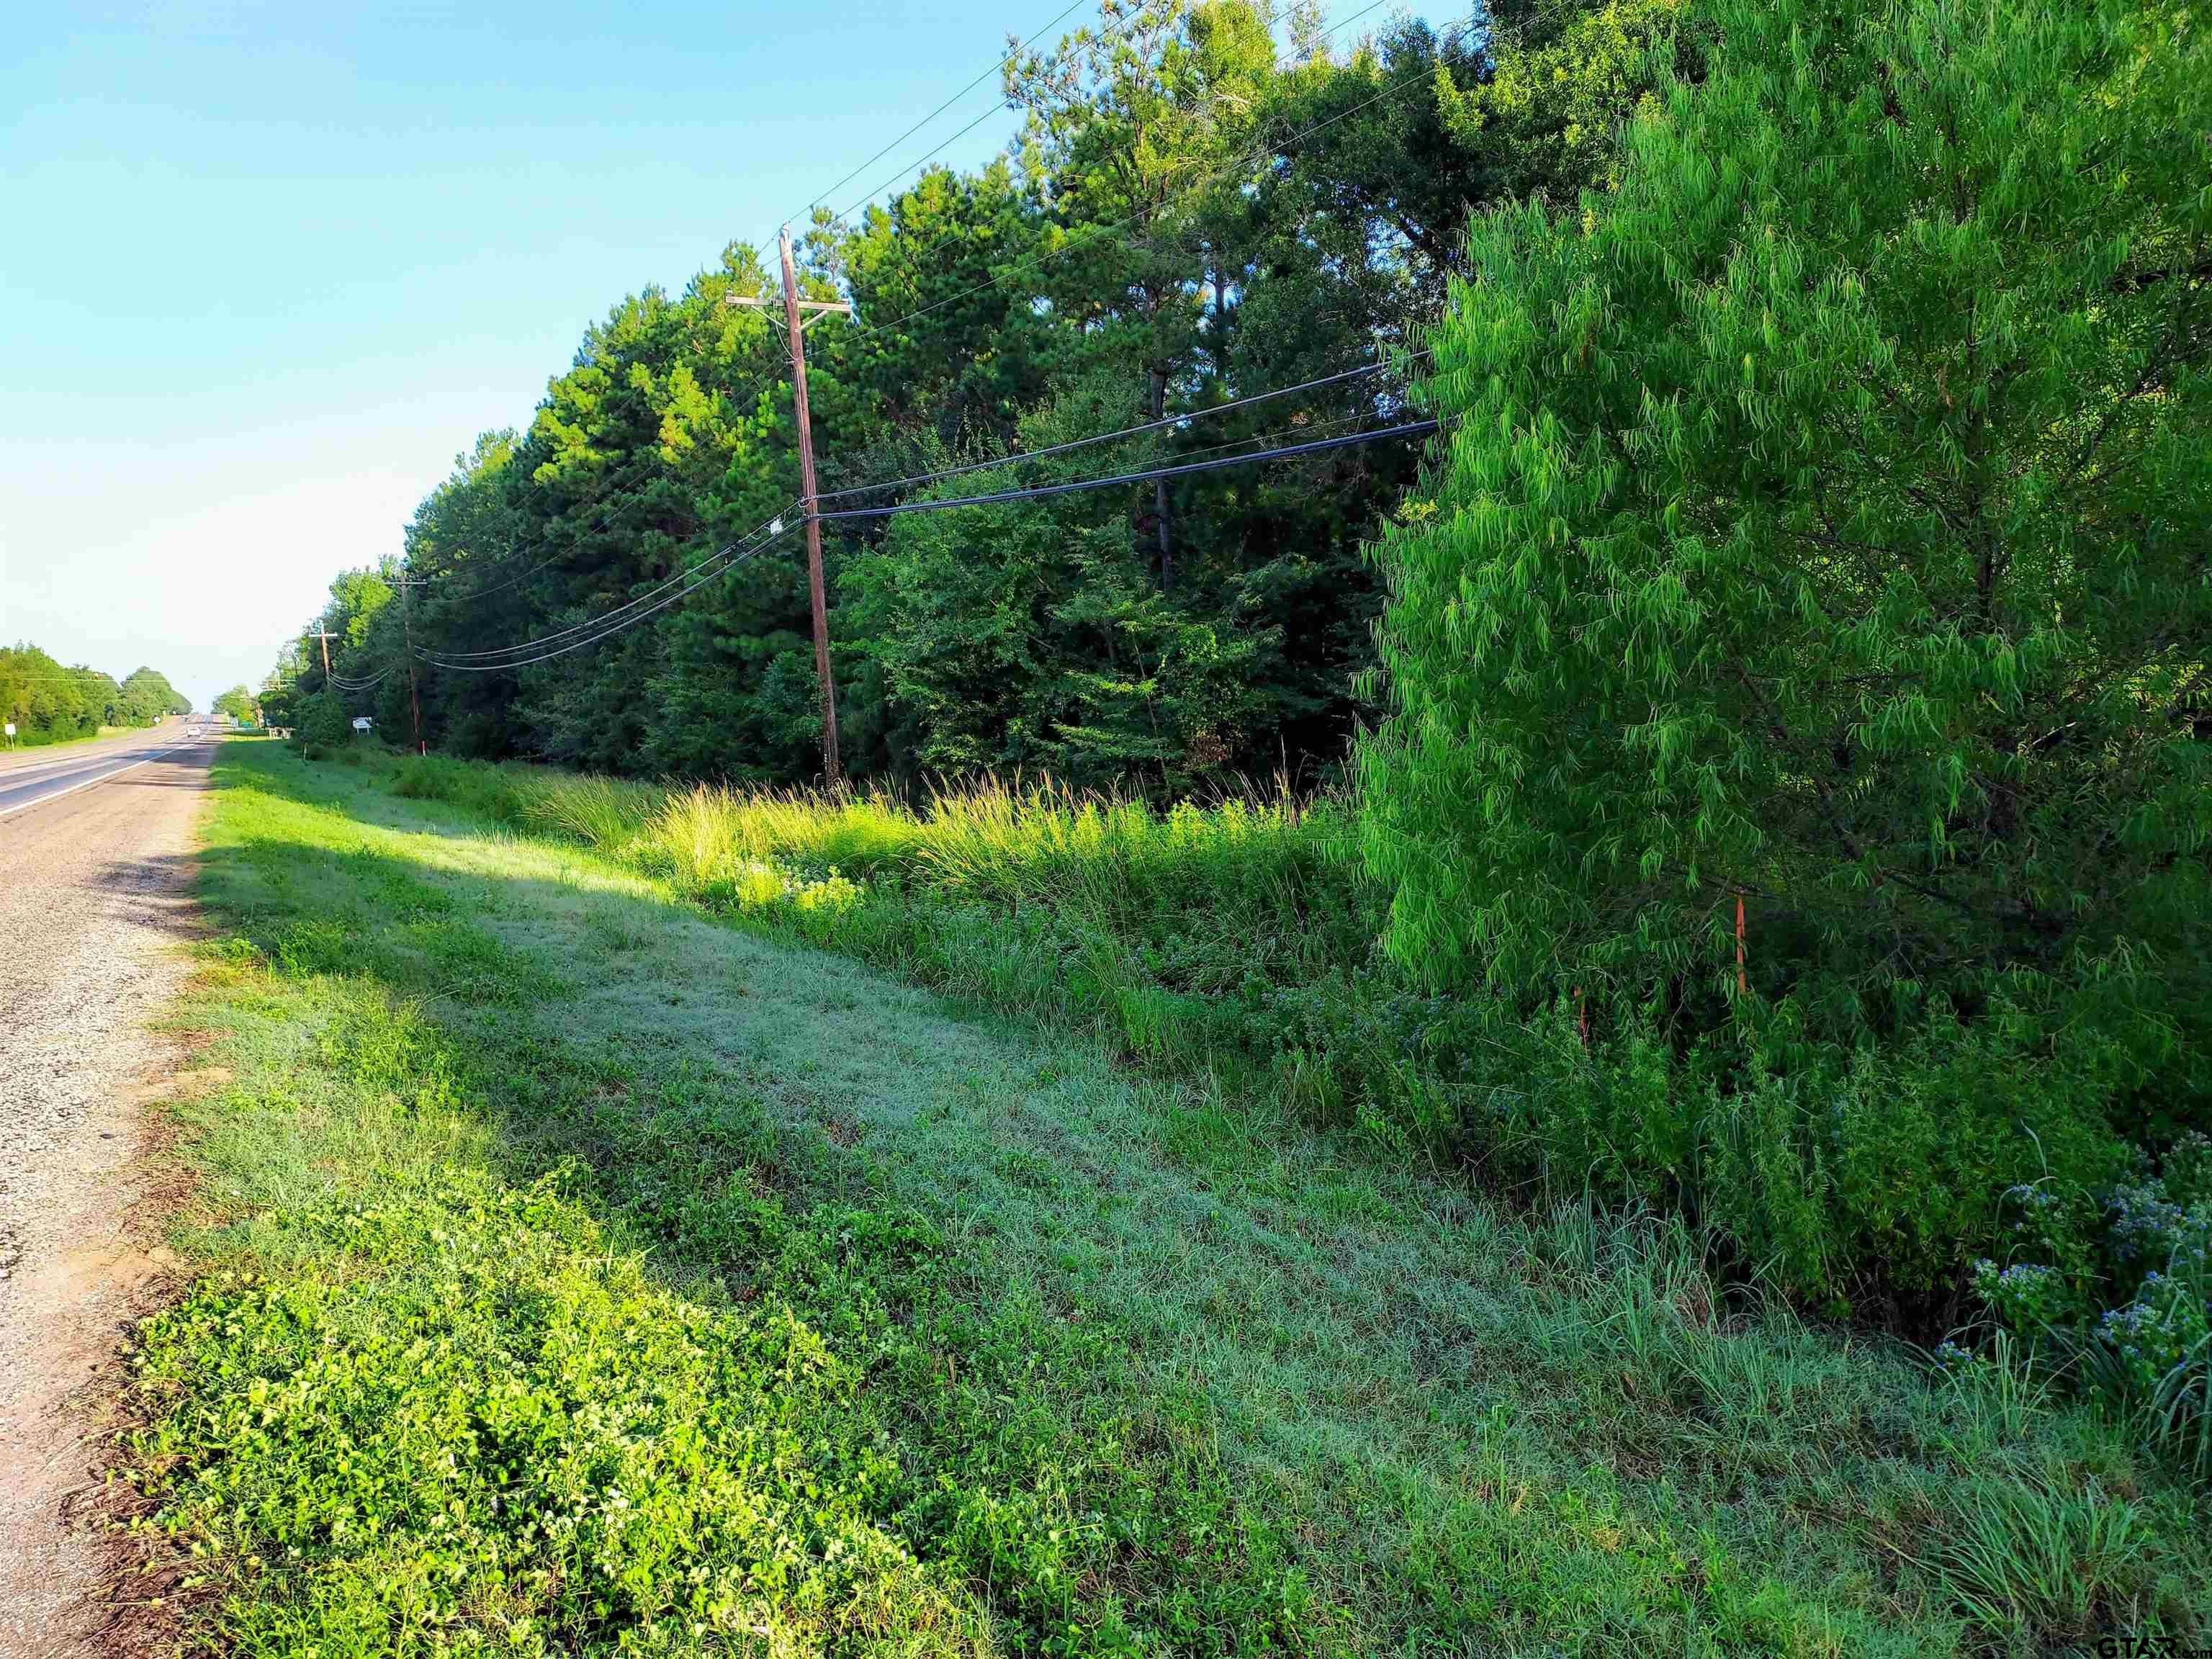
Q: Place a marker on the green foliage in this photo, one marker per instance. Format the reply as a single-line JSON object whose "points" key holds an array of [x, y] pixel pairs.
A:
{"points": [[1188, 216], [696, 1272], [1024, 636], [148, 696], [241, 705], [323, 722], [2115, 1281], [563, 1448], [1238, 940], [1814, 544], [1817, 525], [48, 702], [486, 790]]}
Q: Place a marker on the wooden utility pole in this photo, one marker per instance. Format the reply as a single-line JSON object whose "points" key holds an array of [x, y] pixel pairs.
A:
{"points": [[414, 687], [324, 634], [795, 321]]}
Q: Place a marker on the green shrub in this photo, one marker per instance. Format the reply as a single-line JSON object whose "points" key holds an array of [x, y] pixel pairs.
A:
{"points": [[489, 791], [1820, 523], [1797, 656], [2115, 1281], [597, 811], [324, 726]]}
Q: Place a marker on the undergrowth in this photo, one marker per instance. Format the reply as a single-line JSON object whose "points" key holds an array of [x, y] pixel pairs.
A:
{"points": [[1238, 940], [584, 1277]]}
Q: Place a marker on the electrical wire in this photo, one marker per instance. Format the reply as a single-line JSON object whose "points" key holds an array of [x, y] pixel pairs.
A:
{"points": [[1160, 425], [933, 115], [775, 530], [1094, 232], [590, 530], [636, 600], [736, 558], [597, 627], [952, 236], [1410, 429]]}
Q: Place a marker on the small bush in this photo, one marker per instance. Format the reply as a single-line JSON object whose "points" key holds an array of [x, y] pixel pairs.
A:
{"points": [[2114, 1281], [600, 812], [488, 791]]}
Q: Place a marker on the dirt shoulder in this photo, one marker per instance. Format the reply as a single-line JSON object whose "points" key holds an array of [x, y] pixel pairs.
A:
{"points": [[95, 900]]}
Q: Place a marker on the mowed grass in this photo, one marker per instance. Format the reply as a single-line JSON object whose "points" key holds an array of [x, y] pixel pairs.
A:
{"points": [[583, 1274]]}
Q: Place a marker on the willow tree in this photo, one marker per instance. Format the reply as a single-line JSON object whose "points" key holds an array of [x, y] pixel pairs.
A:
{"points": [[1821, 528]]}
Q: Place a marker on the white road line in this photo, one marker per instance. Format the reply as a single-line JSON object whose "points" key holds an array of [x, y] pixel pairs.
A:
{"points": [[9, 813]]}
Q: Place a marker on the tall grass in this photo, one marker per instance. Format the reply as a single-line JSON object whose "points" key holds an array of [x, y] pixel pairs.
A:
{"points": [[691, 1307], [1259, 868], [1236, 940]]}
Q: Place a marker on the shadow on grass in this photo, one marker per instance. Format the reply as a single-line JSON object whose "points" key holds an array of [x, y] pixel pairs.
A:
{"points": [[1143, 1363]]}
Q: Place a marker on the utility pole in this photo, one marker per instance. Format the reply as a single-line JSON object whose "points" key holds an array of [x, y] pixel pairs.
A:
{"points": [[795, 322], [324, 634], [414, 686]]}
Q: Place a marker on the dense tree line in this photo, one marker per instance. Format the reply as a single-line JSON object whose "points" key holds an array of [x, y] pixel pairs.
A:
{"points": [[1205, 202], [1787, 679], [48, 701]]}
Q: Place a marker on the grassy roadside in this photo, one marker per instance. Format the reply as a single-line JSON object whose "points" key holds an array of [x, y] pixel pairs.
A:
{"points": [[26, 746], [584, 1274]]}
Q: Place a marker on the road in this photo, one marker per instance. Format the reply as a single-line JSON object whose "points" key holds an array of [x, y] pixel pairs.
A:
{"points": [[30, 777], [95, 901]]}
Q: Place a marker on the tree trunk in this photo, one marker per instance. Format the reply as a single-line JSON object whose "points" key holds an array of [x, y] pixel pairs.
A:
{"points": [[1220, 325]]}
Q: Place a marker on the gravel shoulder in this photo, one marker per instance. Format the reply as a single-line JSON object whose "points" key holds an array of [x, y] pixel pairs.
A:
{"points": [[96, 899]]}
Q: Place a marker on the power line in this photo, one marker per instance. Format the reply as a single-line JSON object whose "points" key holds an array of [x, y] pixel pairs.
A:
{"points": [[736, 558], [1411, 429], [933, 115], [604, 511], [862, 201], [1160, 425], [633, 601], [1093, 232], [613, 622], [1214, 98], [776, 529], [595, 629]]}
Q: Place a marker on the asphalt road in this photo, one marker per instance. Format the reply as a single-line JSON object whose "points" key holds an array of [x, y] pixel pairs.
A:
{"points": [[29, 777], [96, 906]]}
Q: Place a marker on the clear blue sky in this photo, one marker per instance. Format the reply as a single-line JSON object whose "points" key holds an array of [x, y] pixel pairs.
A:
{"points": [[269, 267]]}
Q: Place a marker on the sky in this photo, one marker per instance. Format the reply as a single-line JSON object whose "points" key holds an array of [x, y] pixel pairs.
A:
{"points": [[265, 270]]}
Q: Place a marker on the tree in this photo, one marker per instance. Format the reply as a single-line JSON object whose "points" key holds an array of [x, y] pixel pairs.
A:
{"points": [[1186, 218], [1127, 129], [146, 695], [1821, 527], [1023, 638], [48, 702]]}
